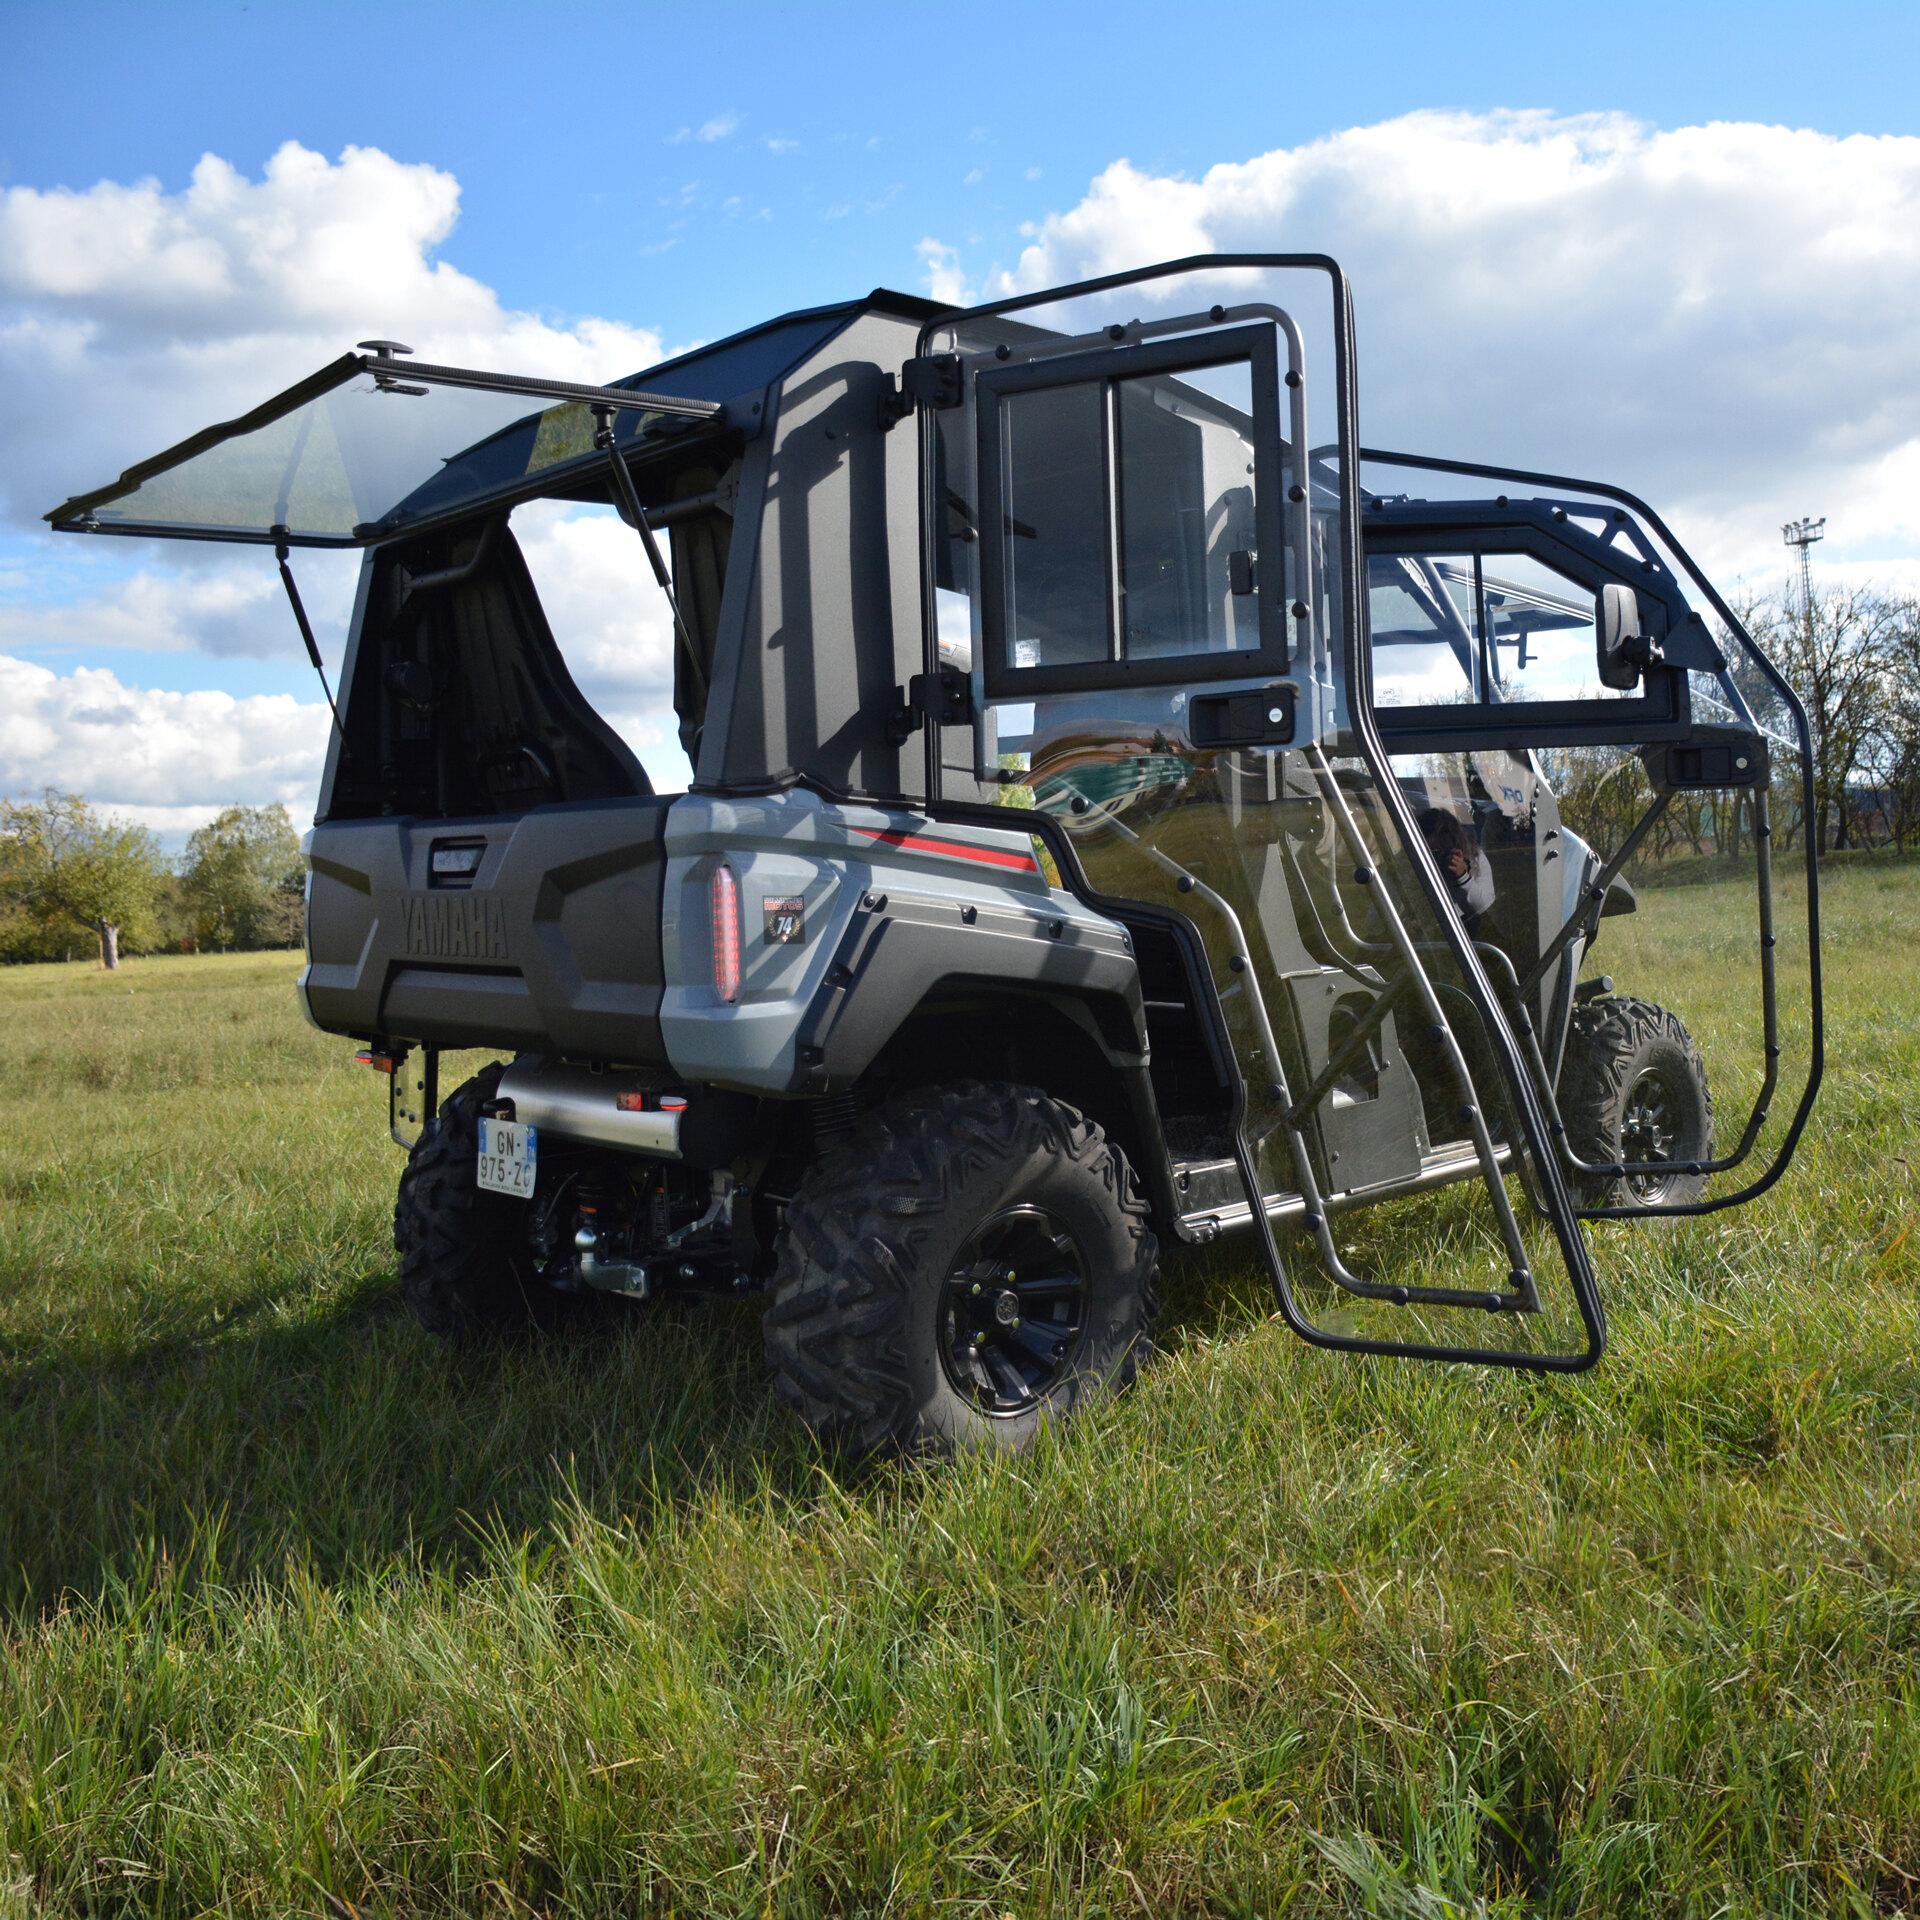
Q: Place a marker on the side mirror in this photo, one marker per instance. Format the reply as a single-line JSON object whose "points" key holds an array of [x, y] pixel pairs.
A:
{"points": [[1624, 651]]}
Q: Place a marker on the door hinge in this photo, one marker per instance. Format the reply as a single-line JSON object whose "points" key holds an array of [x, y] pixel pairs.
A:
{"points": [[947, 696], [944, 697], [932, 381]]}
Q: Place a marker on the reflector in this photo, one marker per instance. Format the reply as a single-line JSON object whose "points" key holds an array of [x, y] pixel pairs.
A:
{"points": [[726, 933]]}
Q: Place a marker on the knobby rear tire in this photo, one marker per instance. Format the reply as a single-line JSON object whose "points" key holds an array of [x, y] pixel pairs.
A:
{"points": [[854, 1331], [464, 1266]]}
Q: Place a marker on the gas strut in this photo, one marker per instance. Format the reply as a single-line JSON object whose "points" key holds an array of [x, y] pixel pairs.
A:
{"points": [[300, 619], [630, 499]]}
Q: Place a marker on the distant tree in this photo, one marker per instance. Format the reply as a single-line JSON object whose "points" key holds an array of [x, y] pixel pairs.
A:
{"points": [[1839, 653], [61, 861], [242, 879], [1602, 792]]}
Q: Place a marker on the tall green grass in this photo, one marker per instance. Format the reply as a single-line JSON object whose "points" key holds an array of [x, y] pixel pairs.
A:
{"points": [[308, 1614]]}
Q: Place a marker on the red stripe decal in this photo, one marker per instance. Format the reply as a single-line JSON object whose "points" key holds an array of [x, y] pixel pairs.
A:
{"points": [[918, 843]]}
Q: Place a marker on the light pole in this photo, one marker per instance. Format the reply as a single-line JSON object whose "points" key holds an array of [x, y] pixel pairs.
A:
{"points": [[1802, 534]]}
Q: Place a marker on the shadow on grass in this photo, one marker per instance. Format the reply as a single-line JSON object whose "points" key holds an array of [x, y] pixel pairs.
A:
{"points": [[335, 1444], [342, 1445]]}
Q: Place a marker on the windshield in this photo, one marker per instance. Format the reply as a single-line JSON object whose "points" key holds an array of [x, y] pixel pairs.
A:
{"points": [[371, 447]]}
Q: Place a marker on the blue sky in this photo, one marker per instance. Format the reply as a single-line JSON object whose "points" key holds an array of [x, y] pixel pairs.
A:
{"points": [[853, 131], [566, 184]]}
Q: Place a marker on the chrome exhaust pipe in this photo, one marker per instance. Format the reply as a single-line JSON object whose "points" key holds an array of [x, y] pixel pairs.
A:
{"points": [[607, 1109]]}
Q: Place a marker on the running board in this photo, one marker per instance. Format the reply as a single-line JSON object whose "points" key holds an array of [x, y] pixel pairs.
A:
{"points": [[1438, 1169]]}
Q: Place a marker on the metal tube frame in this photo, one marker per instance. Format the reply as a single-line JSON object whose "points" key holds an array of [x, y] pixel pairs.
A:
{"points": [[1770, 1031], [1558, 1205], [1524, 1298], [1816, 1065]]}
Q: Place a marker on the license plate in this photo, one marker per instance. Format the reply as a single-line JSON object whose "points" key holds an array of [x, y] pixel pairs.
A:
{"points": [[507, 1155]]}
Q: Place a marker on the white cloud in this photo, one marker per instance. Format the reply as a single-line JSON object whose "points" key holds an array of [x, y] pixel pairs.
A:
{"points": [[1724, 318], [171, 759], [222, 602], [611, 623], [149, 754], [945, 278], [718, 128], [129, 316], [607, 614]]}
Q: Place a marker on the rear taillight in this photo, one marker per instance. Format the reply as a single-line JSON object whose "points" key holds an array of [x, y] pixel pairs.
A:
{"points": [[725, 897]]}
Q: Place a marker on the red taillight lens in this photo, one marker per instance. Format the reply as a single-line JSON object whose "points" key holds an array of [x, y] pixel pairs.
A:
{"points": [[725, 895]]}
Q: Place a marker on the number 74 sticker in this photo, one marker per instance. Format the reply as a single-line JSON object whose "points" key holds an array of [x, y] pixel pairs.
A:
{"points": [[786, 921]]}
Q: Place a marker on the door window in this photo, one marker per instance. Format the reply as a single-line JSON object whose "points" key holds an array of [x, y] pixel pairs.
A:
{"points": [[1138, 527], [1055, 525], [1468, 629], [1188, 548], [1541, 631]]}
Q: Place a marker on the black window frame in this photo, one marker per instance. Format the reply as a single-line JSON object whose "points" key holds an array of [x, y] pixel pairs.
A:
{"points": [[1662, 710], [1254, 345]]}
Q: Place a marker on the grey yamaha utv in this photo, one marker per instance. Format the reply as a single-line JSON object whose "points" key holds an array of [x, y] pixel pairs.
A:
{"points": [[1118, 816]]}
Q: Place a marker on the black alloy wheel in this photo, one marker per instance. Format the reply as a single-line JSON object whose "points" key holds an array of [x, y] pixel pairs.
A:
{"points": [[1013, 1310], [1649, 1122]]}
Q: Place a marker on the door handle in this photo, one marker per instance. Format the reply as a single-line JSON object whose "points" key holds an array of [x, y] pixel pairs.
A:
{"points": [[1262, 718]]}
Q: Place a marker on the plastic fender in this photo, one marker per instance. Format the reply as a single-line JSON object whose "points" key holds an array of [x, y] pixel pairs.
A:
{"points": [[839, 862]]}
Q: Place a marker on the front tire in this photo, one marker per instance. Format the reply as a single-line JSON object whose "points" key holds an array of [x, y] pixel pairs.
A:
{"points": [[464, 1265], [972, 1262], [1633, 1087]]}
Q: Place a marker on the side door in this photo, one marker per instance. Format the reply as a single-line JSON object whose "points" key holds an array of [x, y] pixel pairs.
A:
{"points": [[1152, 596], [1552, 668]]}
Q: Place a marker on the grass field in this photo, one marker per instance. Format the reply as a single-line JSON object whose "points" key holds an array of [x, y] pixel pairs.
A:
{"points": [[306, 1614]]}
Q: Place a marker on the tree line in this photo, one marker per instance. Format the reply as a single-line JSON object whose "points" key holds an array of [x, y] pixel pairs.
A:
{"points": [[74, 881], [71, 879], [1852, 654]]}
